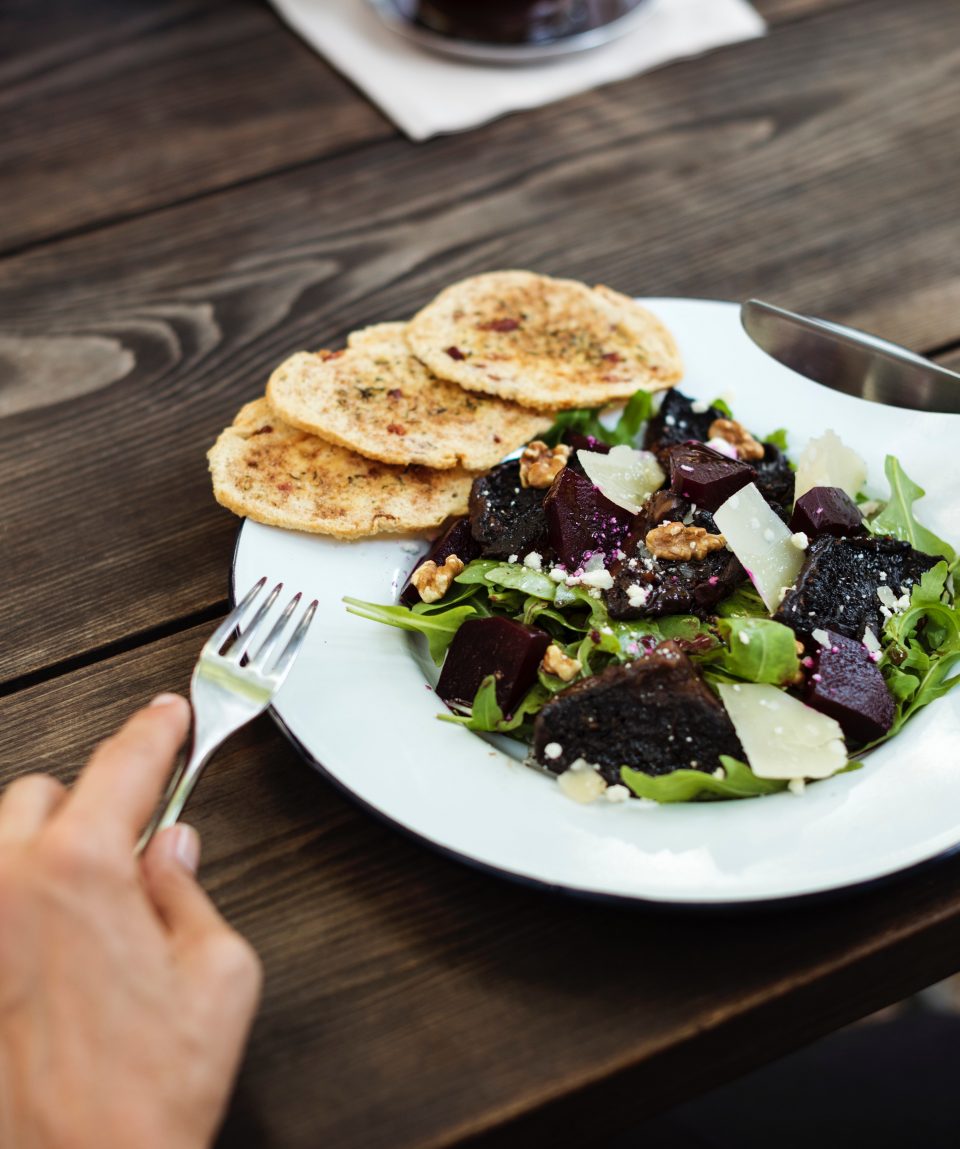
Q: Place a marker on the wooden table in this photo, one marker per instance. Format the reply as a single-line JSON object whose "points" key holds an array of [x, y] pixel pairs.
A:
{"points": [[187, 193]]}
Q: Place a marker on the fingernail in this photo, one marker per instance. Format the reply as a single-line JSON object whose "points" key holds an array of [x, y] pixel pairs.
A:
{"points": [[185, 847], [165, 700]]}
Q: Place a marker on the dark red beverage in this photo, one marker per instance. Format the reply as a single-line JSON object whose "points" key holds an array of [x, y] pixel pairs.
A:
{"points": [[514, 21]]}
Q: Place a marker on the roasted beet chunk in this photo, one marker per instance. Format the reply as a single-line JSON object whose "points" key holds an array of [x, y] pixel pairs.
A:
{"points": [[655, 715], [706, 477], [827, 511], [506, 518], [457, 540], [677, 422], [581, 521], [648, 587], [508, 650], [837, 588], [774, 479], [847, 685]]}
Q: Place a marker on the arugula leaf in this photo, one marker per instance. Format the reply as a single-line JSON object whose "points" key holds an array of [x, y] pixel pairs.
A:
{"points": [[475, 572], [758, 650], [438, 628], [514, 576], [723, 407], [486, 715], [921, 648], [778, 438], [697, 785], [586, 421], [897, 517], [743, 603]]}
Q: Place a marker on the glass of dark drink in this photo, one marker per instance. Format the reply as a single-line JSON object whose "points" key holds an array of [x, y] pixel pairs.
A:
{"points": [[525, 28]]}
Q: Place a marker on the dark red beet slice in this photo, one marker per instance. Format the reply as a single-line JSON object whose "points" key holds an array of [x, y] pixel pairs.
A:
{"points": [[827, 511], [499, 646], [847, 684], [457, 540], [580, 520], [578, 442], [706, 477]]}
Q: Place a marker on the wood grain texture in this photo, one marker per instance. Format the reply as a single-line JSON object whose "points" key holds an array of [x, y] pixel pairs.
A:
{"points": [[136, 106], [112, 126], [411, 1001], [779, 168]]}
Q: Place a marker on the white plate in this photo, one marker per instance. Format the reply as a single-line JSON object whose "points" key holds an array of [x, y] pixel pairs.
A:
{"points": [[359, 705]]}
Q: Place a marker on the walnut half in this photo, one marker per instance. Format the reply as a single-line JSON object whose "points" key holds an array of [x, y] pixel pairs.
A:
{"points": [[559, 664], [737, 436], [540, 464], [433, 582], [682, 543]]}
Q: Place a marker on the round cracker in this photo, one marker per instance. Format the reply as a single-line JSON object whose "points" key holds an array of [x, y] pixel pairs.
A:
{"points": [[375, 333], [378, 399], [546, 343], [271, 472]]}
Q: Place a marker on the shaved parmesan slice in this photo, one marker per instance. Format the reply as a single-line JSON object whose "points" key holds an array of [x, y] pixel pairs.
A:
{"points": [[761, 541], [826, 462], [627, 477], [781, 737]]}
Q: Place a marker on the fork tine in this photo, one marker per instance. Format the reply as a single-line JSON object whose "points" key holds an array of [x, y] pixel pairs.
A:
{"points": [[290, 651], [230, 623], [257, 662], [245, 640]]}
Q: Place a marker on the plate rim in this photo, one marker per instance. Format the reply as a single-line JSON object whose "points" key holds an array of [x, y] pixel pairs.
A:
{"points": [[737, 904]]}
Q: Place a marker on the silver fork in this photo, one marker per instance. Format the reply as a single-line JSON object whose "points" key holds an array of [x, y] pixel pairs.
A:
{"points": [[227, 693]]}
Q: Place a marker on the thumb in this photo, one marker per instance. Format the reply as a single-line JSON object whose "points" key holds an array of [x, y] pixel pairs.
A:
{"points": [[169, 867]]}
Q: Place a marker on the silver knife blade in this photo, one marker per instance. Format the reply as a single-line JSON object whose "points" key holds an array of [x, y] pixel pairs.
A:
{"points": [[851, 361]]}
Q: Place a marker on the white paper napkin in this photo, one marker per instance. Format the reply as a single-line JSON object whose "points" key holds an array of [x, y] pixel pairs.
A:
{"points": [[425, 94]]}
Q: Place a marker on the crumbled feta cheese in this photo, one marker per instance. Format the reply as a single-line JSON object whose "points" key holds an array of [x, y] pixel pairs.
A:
{"points": [[796, 786], [410, 548], [552, 750], [887, 597], [534, 561], [719, 773], [558, 574], [669, 420], [722, 447], [600, 579], [617, 793], [512, 558], [699, 407], [799, 540], [745, 637], [637, 595], [583, 786], [870, 641]]}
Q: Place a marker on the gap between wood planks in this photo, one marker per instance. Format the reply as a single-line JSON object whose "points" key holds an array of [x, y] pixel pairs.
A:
{"points": [[794, 12]]}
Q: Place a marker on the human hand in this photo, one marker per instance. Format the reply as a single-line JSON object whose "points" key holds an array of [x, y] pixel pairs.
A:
{"points": [[125, 999]]}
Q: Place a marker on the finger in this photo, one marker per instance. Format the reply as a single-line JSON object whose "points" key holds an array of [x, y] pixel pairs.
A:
{"points": [[169, 867], [119, 788], [27, 805]]}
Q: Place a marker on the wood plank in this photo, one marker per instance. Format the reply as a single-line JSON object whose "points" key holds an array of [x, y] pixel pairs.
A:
{"points": [[411, 1001], [213, 94], [132, 108], [779, 169]]}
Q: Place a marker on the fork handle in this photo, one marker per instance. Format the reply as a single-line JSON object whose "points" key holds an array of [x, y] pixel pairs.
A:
{"points": [[185, 776]]}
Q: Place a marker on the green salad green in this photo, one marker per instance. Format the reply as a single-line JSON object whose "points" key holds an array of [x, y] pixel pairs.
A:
{"points": [[918, 656]]}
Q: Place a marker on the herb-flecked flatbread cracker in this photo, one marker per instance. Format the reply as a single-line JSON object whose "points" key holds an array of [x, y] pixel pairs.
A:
{"points": [[375, 333], [378, 399], [546, 343], [271, 472]]}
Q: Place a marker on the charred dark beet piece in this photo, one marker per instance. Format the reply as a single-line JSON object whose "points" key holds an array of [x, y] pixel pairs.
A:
{"points": [[655, 715], [580, 520], [457, 540], [847, 685], [663, 586], [677, 422], [706, 477], [775, 480], [506, 518], [499, 646], [837, 585], [827, 511]]}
